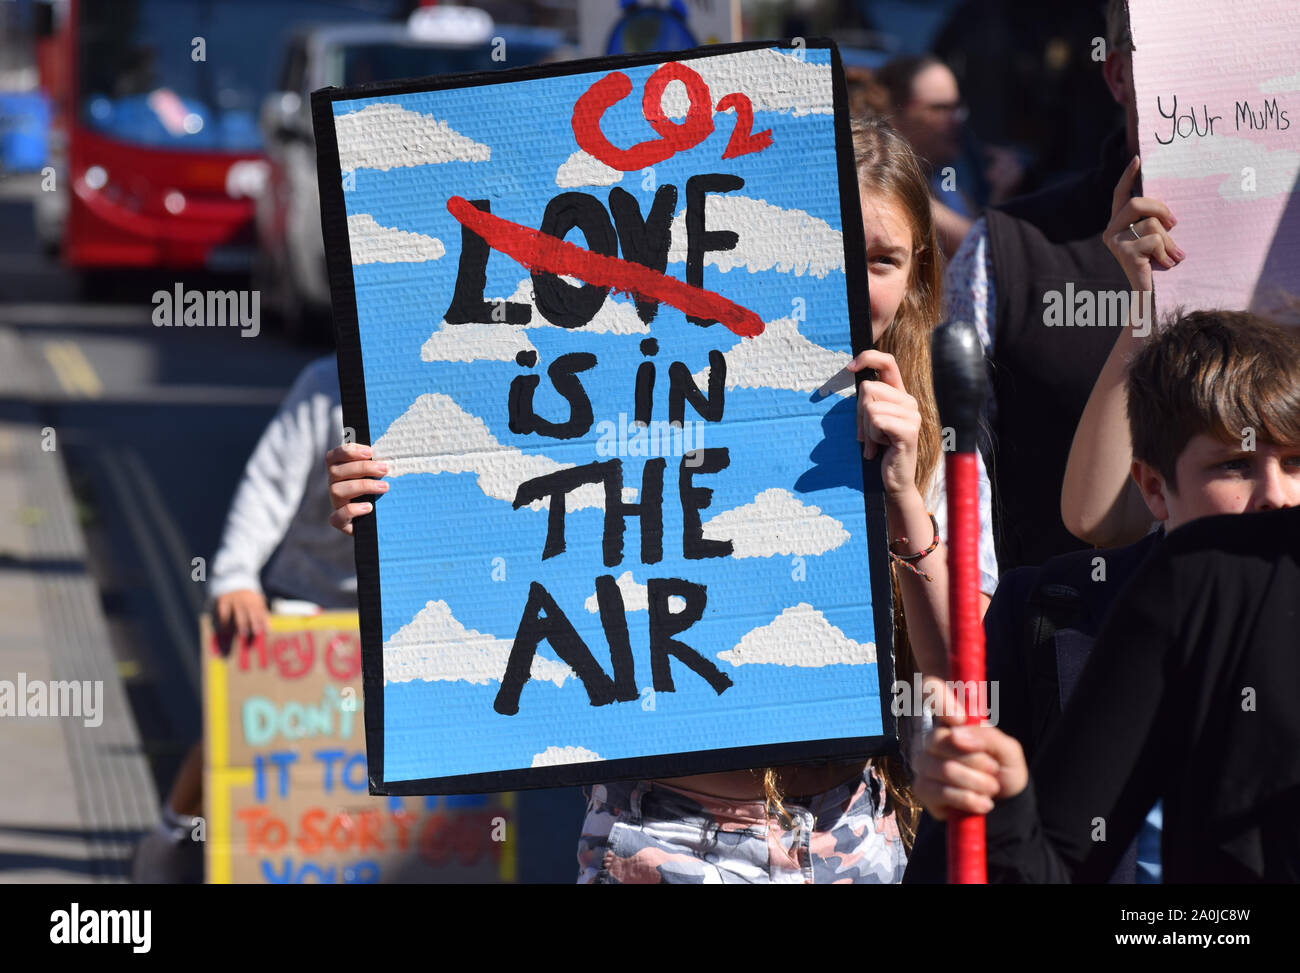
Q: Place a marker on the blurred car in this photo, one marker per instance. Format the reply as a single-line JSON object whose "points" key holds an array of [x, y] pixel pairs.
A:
{"points": [[289, 269], [154, 143]]}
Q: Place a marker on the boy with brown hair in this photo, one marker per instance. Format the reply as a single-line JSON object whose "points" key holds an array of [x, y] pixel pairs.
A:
{"points": [[1214, 417]]}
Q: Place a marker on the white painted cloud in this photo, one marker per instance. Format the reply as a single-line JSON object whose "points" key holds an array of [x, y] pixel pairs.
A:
{"points": [[782, 358], [1229, 157], [614, 316], [435, 435], [553, 756], [492, 341], [581, 169], [1282, 83], [773, 81], [475, 342], [799, 636], [434, 646], [636, 597], [771, 238], [776, 522], [387, 136], [371, 243]]}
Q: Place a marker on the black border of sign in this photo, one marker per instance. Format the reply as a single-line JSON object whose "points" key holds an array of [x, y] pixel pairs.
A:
{"points": [[352, 385]]}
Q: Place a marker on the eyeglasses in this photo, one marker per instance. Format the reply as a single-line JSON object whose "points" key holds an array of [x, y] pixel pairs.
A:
{"points": [[956, 109]]}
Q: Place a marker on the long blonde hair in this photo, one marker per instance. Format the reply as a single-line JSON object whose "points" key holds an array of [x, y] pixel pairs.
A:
{"points": [[887, 165]]}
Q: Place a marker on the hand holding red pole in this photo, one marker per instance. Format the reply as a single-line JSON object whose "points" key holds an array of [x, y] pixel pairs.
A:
{"points": [[959, 385]]}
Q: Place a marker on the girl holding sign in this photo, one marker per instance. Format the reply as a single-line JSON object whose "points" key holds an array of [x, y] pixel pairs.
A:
{"points": [[851, 821]]}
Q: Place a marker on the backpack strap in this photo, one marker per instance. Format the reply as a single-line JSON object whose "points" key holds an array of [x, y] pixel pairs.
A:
{"points": [[1063, 617], [1054, 604]]}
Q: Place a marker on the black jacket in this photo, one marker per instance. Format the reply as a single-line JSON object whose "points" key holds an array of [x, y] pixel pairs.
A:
{"points": [[1038, 632], [1189, 696], [1042, 375]]}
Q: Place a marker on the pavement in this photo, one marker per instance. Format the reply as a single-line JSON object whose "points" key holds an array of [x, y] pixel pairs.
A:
{"points": [[121, 446], [78, 791]]}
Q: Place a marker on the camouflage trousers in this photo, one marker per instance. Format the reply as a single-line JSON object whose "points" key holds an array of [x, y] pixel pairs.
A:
{"points": [[648, 832]]}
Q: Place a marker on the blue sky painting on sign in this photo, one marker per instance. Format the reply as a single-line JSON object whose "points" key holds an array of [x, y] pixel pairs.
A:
{"points": [[786, 631]]}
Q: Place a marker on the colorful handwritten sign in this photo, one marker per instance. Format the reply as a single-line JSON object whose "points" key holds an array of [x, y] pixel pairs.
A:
{"points": [[596, 317], [1218, 97], [285, 789]]}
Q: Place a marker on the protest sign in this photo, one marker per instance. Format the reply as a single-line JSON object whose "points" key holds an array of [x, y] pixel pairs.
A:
{"points": [[1218, 99], [629, 530], [285, 792]]}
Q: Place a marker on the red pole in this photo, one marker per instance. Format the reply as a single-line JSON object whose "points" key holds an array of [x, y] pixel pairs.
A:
{"points": [[959, 385]]}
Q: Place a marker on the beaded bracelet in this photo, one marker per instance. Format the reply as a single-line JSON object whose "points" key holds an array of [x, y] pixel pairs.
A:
{"points": [[908, 560]]}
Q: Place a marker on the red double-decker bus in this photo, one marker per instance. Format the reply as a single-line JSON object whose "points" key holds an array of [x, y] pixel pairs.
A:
{"points": [[156, 145]]}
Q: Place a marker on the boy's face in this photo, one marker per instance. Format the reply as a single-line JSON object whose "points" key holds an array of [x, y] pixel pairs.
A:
{"points": [[1215, 477]]}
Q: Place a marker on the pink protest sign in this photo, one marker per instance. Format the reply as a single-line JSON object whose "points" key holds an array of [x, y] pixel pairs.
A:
{"points": [[1218, 99]]}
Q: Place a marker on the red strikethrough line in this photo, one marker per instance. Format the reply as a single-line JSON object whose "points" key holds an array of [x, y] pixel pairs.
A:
{"points": [[549, 255]]}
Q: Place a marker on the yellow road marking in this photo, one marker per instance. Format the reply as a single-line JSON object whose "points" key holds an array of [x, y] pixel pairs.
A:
{"points": [[54, 355], [84, 371], [73, 369]]}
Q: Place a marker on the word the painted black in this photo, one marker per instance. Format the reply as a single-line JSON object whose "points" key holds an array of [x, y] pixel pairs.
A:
{"points": [[554, 487]]}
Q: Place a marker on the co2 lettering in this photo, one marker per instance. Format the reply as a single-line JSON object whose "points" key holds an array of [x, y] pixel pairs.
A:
{"points": [[673, 137]]}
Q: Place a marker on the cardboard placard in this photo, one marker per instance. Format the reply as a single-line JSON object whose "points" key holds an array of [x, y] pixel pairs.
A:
{"points": [[1218, 98], [626, 533], [286, 799]]}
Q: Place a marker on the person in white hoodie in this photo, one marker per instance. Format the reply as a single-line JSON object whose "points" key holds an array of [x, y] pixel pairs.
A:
{"points": [[277, 547], [277, 541]]}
